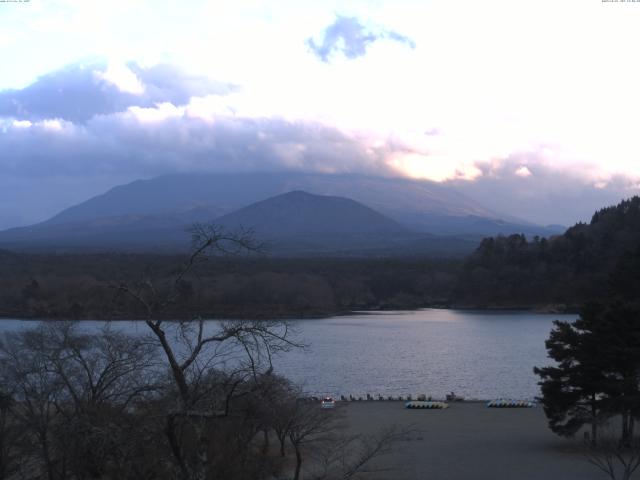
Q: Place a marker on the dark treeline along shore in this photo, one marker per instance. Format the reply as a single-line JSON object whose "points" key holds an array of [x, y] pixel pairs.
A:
{"points": [[557, 273], [81, 286]]}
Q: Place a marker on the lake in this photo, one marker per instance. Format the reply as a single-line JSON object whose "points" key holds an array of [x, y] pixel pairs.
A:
{"points": [[476, 354]]}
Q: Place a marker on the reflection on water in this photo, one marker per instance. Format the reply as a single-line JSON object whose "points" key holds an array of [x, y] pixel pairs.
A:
{"points": [[475, 354]]}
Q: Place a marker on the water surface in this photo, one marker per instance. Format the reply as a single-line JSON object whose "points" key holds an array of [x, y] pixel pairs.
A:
{"points": [[476, 354], [472, 353]]}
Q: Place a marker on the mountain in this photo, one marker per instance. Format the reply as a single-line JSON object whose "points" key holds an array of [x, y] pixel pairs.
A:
{"points": [[419, 205], [292, 224], [127, 231], [298, 212], [380, 215], [300, 221]]}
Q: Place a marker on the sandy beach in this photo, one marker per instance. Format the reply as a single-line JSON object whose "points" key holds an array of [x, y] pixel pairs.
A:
{"points": [[470, 441]]}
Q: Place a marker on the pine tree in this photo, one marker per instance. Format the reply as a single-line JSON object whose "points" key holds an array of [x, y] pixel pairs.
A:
{"points": [[597, 375], [572, 391]]}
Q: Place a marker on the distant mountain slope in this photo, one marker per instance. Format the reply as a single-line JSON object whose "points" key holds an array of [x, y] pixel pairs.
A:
{"points": [[419, 205], [301, 213], [229, 192], [300, 221], [292, 224], [132, 231]]}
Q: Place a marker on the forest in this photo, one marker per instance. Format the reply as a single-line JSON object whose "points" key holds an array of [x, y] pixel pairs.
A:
{"points": [[82, 286], [565, 270], [558, 274]]}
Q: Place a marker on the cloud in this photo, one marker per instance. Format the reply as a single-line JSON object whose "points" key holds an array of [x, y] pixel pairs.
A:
{"points": [[351, 38], [542, 191], [141, 142], [73, 127], [74, 132], [523, 172], [121, 77], [146, 141], [205, 135], [81, 91], [90, 119], [5, 40]]}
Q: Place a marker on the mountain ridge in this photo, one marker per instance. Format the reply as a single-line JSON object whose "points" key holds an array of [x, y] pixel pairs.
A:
{"points": [[292, 224], [424, 206], [155, 213]]}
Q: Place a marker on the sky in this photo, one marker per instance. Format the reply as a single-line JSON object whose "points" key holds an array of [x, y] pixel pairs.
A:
{"points": [[530, 107]]}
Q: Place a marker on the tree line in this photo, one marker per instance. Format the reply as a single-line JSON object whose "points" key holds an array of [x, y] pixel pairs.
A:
{"points": [[566, 270], [68, 286]]}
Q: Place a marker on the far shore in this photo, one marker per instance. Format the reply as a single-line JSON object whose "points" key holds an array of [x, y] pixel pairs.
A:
{"points": [[542, 309]]}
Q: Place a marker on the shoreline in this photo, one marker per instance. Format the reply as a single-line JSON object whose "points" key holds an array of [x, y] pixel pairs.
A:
{"points": [[540, 309]]}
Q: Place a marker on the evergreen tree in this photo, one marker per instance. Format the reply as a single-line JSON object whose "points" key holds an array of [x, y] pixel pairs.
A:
{"points": [[572, 390], [617, 331], [597, 375]]}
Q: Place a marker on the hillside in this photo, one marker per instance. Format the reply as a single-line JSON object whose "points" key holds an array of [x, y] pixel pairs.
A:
{"points": [[131, 232], [566, 269], [302, 221], [299, 212]]}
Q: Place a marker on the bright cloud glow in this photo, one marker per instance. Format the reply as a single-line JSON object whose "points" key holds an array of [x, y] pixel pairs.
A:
{"points": [[159, 113], [123, 78], [52, 124], [523, 172], [5, 40], [21, 124]]}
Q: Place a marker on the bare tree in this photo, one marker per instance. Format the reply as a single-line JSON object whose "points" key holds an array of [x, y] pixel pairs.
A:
{"points": [[103, 375], [73, 395], [351, 456], [308, 424], [335, 455], [38, 392], [192, 348], [10, 435], [281, 406], [109, 367], [618, 459]]}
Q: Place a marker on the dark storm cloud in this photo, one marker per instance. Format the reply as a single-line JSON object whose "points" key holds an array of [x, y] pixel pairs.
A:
{"points": [[352, 38], [79, 92]]}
